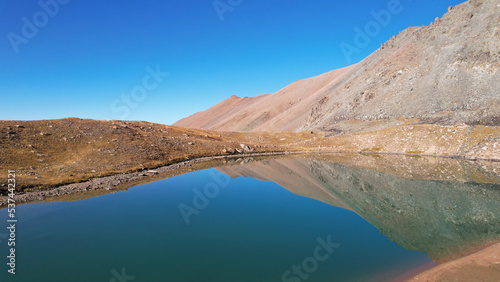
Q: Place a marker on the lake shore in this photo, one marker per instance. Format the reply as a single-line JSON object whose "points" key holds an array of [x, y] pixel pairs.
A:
{"points": [[121, 181], [51, 153], [482, 265], [109, 184]]}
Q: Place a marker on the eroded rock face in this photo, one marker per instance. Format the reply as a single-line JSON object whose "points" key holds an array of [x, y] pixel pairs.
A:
{"points": [[444, 73]]}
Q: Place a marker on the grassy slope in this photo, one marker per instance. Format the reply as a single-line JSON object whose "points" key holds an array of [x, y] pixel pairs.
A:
{"points": [[54, 152]]}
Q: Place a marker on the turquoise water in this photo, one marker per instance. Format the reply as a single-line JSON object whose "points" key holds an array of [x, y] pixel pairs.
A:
{"points": [[249, 230]]}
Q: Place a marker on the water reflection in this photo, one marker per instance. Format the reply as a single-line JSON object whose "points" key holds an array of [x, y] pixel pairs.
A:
{"points": [[252, 230], [443, 207]]}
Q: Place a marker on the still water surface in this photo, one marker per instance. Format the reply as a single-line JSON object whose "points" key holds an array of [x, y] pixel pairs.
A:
{"points": [[206, 226]]}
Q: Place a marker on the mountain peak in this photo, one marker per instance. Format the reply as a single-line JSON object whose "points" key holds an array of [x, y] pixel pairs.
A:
{"points": [[444, 73]]}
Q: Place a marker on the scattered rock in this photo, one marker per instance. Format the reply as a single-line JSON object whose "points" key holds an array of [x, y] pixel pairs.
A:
{"points": [[246, 148]]}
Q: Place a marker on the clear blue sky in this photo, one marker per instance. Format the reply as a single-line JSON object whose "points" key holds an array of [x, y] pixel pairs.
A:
{"points": [[81, 58]]}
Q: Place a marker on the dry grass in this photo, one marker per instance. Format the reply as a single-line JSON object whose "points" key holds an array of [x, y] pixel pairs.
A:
{"points": [[50, 153], [54, 152]]}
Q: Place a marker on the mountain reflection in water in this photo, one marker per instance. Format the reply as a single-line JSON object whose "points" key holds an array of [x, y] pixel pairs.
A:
{"points": [[443, 207]]}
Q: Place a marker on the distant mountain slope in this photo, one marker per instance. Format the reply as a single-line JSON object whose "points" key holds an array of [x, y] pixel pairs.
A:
{"points": [[446, 73], [285, 109]]}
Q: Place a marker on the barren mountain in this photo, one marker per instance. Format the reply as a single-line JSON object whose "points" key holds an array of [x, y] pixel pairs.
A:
{"points": [[444, 73], [283, 110]]}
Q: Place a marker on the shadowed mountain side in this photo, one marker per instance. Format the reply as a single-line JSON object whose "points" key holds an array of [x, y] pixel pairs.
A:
{"points": [[442, 218], [444, 73]]}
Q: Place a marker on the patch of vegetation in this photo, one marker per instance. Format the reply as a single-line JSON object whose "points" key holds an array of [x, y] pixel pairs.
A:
{"points": [[374, 149], [415, 156], [414, 152], [376, 156]]}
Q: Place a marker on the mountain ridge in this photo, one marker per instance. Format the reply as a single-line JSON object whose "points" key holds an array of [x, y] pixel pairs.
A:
{"points": [[443, 73]]}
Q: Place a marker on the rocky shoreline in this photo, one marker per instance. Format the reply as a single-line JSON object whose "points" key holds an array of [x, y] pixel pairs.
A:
{"points": [[110, 183], [125, 180]]}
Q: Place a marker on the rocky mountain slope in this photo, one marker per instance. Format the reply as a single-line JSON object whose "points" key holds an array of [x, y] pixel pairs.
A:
{"points": [[443, 73]]}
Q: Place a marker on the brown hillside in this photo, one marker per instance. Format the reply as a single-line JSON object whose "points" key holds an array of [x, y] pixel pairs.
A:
{"points": [[283, 110], [48, 153]]}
